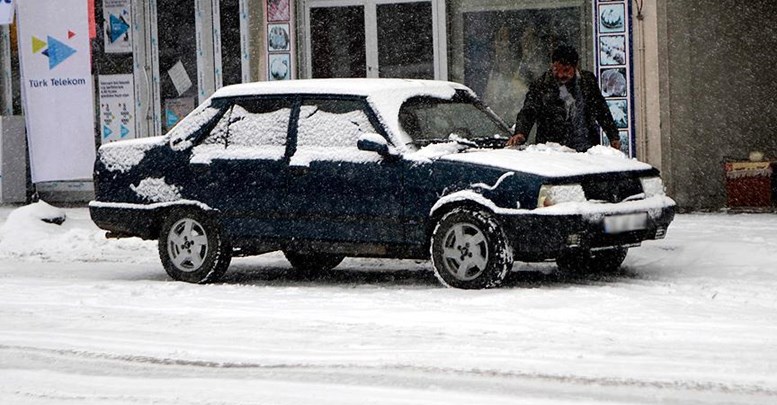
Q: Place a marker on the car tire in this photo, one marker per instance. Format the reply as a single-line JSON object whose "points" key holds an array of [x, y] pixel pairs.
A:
{"points": [[470, 250], [602, 261], [312, 263], [193, 247]]}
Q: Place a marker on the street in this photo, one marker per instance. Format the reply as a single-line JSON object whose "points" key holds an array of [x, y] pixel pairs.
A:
{"points": [[688, 319]]}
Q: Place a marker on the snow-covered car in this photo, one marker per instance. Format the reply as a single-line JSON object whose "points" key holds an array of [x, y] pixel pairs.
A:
{"points": [[324, 169]]}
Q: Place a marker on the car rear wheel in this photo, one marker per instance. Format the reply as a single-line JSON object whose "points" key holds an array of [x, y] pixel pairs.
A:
{"points": [[470, 250], [193, 248], [312, 263], [601, 261]]}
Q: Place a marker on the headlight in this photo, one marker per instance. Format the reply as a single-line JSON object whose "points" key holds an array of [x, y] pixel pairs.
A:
{"points": [[552, 195], [652, 186]]}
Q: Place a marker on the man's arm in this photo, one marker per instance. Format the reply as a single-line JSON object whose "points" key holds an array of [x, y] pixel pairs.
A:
{"points": [[527, 116]]}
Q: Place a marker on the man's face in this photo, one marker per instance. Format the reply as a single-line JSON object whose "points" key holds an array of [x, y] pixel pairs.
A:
{"points": [[563, 72]]}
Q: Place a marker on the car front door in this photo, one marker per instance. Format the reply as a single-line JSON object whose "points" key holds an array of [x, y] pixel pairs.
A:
{"points": [[337, 192], [241, 166]]}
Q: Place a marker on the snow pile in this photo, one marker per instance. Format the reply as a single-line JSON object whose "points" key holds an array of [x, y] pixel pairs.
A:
{"points": [[157, 190], [550, 147], [552, 160], [25, 235], [249, 129], [205, 154], [321, 128], [303, 157], [435, 151], [123, 155]]}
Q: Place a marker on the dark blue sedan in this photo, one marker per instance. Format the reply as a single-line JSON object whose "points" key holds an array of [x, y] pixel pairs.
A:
{"points": [[324, 169]]}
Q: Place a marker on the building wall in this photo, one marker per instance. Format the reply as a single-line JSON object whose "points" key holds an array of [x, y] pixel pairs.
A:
{"points": [[718, 87], [646, 85]]}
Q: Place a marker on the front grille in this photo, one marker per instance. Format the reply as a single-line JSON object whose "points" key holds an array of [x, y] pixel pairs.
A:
{"points": [[612, 190]]}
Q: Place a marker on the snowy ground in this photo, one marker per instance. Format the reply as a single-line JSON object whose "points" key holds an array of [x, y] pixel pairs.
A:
{"points": [[690, 319]]}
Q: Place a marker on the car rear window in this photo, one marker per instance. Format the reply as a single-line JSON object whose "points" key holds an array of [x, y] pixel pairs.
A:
{"points": [[332, 123], [257, 122], [250, 129]]}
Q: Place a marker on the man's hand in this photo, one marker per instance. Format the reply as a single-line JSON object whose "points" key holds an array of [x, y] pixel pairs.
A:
{"points": [[516, 139], [615, 144]]}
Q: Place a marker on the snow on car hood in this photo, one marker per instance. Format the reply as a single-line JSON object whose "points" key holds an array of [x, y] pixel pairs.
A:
{"points": [[552, 160]]}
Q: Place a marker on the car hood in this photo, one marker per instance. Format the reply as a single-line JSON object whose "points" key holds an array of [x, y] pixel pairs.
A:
{"points": [[551, 161]]}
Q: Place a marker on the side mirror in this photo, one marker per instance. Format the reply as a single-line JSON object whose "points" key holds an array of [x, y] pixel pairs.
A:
{"points": [[374, 143]]}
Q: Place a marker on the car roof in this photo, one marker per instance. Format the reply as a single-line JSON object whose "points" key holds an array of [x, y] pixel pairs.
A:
{"points": [[386, 96], [357, 87]]}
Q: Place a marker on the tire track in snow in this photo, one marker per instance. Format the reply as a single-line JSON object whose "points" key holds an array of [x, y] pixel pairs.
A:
{"points": [[274, 371]]}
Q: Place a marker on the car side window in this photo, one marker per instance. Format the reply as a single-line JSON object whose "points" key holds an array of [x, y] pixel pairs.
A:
{"points": [[251, 128], [332, 123]]}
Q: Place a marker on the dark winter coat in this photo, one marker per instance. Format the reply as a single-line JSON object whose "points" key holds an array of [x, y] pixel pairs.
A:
{"points": [[543, 105]]}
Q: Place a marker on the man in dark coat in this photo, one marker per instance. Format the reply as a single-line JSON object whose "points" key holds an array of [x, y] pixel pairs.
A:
{"points": [[566, 104]]}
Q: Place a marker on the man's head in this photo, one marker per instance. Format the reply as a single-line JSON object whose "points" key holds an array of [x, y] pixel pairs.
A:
{"points": [[564, 63]]}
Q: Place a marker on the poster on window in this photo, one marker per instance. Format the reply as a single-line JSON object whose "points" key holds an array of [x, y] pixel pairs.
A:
{"points": [[117, 22], [280, 66], [176, 109], [612, 44], [117, 107], [279, 29], [56, 83], [278, 37], [278, 10], [612, 18]]}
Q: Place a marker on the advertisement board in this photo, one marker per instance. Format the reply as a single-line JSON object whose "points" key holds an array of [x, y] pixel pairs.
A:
{"points": [[117, 107], [57, 88], [118, 20]]}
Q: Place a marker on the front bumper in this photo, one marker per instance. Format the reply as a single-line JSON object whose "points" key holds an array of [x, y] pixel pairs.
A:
{"points": [[545, 233]]}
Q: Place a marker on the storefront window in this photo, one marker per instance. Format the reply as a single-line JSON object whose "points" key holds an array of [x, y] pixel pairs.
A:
{"points": [[498, 49]]}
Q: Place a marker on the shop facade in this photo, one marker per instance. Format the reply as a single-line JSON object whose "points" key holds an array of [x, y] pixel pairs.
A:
{"points": [[153, 61]]}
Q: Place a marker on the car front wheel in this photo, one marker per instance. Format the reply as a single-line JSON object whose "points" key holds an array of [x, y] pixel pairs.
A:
{"points": [[193, 248], [470, 250], [601, 261]]}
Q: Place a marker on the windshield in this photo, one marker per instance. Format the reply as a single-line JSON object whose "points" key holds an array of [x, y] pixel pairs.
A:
{"points": [[431, 120]]}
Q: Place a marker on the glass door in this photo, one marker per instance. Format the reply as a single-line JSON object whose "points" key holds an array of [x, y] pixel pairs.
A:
{"points": [[178, 84], [405, 40], [185, 50], [374, 38], [337, 41]]}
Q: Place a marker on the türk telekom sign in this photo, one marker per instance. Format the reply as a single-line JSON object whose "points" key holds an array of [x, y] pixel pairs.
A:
{"points": [[56, 88]]}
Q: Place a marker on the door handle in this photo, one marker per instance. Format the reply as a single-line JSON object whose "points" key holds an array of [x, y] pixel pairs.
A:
{"points": [[299, 170]]}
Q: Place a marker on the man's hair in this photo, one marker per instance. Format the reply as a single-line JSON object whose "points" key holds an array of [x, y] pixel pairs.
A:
{"points": [[565, 54]]}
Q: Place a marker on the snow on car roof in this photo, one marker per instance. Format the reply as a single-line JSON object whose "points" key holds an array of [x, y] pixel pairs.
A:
{"points": [[385, 95], [359, 87]]}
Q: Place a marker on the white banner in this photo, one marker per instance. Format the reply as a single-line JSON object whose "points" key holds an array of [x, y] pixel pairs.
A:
{"points": [[6, 12], [57, 88]]}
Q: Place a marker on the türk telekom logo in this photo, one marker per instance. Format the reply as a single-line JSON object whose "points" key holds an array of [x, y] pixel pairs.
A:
{"points": [[57, 51]]}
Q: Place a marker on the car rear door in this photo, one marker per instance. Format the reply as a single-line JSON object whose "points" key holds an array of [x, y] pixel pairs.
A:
{"points": [[241, 166], [337, 192]]}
